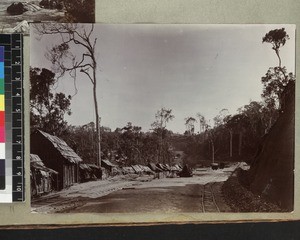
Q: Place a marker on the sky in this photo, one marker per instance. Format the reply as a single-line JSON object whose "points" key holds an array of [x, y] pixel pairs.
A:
{"points": [[186, 68]]}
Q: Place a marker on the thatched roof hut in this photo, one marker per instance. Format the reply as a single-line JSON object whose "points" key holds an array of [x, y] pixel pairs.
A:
{"points": [[43, 179], [57, 155]]}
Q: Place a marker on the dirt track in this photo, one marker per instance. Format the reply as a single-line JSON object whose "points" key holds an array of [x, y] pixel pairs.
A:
{"points": [[200, 193]]}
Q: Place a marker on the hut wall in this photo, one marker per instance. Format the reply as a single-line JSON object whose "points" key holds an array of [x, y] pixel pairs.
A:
{"points": [[40, 184], [67, 175], [70, 175]]}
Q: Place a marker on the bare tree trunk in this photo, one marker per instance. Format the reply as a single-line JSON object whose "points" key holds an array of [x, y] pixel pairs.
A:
{"points": [[161, 148], [277, 53], [240, 143], [213, 151], [230, 144], [209, 146], [98, 140]]}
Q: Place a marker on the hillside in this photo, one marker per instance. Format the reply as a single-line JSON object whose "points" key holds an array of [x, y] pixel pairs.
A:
{"points": [[272, 172]]}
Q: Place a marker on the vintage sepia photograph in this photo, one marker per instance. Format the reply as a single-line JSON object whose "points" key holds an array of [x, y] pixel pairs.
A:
{"points": [[15, 16], [162, 118]]}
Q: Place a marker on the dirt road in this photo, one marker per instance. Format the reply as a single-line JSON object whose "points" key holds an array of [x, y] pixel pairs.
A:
{"points": [[200, 193]]}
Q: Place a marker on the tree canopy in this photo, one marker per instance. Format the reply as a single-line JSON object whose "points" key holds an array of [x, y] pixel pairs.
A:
{"points": [[162, 117], [277, 38], [47, 108]]}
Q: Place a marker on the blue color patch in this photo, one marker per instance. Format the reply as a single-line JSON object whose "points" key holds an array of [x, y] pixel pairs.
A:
{"points": [[2, 70]]}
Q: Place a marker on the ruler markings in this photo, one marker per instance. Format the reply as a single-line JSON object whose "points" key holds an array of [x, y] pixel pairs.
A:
{"points": [[13, 86]]}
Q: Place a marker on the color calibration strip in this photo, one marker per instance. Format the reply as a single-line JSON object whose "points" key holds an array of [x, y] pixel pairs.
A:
{"points": [[11, 117], [2, 121]]}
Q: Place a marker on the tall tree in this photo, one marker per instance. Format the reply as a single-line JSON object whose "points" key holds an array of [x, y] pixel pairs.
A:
{"points": [[277, 38], [237, 123], [78, 39], [254, 111], [162, 117], [230, 126], [277, 78], [219, 119], [202, 122], [131, 142], [190, 124], [211, 136], [274, 83], [47, 108]]}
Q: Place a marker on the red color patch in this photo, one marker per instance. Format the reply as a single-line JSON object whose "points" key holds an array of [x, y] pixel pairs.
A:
{"points": [[2, 118]]}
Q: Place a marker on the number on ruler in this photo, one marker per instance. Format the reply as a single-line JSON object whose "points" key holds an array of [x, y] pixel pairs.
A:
{"points": [[17, 78], [18, 63], [19, 173], [18, 110], [19, 188], [18, 157]]}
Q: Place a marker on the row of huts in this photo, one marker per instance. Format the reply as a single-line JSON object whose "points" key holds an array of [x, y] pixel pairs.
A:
{"points": [[55, 166], [158, 170]]}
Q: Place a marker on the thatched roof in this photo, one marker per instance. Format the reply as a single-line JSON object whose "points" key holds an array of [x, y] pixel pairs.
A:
{"points": [[137, 168], [175, 168], [161, 166], [67, 152], [153, 167], [92, 166], [127, 169], [108, 163], [84, 166], [145, 168], [37, 163]]}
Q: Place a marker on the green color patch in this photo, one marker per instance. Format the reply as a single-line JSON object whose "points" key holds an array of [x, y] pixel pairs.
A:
{"points": [[1, 86]]}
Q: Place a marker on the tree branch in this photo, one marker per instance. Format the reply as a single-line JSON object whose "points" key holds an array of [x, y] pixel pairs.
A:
{"points": [[89, 76]]}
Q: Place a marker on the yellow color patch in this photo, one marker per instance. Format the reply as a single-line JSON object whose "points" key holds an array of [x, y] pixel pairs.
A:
{"points": [[2, 103]]}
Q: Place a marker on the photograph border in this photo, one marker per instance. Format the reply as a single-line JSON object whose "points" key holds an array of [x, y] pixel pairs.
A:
{"points": [[164, 11]]}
